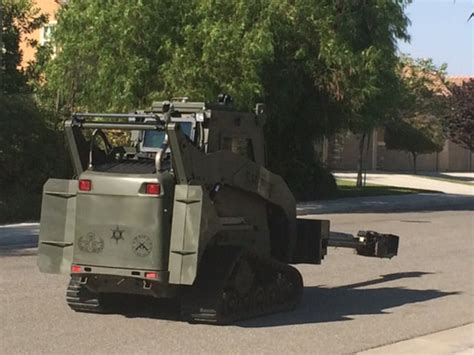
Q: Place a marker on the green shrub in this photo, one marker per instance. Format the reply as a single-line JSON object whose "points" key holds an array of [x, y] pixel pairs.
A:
{"points": [[31, 150], [312, 182]]}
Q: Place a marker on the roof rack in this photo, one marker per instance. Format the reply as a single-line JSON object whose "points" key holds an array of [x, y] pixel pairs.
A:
{"points": [[79, 119], [82, 115], [179, 106]]}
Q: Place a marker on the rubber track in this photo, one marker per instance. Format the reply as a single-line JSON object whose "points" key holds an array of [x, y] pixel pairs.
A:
{"points": [[80, 299], [211, 304]]}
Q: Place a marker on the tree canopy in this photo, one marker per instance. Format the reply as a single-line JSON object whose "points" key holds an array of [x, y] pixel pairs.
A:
{"points": [[18, 18], [119, 55], [30, 148], [460, 118], [417, 128], [319, 65]]}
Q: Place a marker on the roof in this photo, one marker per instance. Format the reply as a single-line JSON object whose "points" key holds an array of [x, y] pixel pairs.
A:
{"points": [[459, 80]]}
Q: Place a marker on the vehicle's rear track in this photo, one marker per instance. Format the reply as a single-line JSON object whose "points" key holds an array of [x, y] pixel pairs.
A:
{"points": [[80, 299], [235, 284]]}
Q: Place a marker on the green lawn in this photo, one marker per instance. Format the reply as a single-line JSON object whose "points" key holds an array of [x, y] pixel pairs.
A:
{"points": [[347, 188]]}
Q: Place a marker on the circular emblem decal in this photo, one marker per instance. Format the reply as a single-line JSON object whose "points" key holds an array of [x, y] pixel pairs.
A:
{"points": [[142, 245], [90, 243]]}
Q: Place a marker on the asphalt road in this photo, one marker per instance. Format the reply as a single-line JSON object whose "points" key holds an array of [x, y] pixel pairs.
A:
{"points": [[350, 303]]}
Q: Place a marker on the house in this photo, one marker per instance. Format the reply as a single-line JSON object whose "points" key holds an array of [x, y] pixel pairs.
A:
{"points": [[341, 152], [43, 34]]}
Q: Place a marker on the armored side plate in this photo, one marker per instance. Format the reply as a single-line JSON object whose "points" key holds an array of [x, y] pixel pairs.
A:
{"points": [[57, 226]]}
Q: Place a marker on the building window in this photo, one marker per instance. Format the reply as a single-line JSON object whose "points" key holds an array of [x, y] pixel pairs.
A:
{"points": [[46, 33]]}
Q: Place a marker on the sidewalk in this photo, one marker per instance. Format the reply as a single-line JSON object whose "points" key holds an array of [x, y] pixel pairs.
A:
{"points": [[458, 341], [386, 204], [430, 182]]}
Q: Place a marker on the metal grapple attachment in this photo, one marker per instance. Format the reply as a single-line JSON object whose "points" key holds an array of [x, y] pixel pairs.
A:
{"points": [[367, 243], [377, 245]]}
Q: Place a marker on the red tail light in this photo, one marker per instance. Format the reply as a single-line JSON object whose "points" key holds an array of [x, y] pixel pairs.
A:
{"points": [[75, 269], [153, 188], [151, 275], [85, 185]]}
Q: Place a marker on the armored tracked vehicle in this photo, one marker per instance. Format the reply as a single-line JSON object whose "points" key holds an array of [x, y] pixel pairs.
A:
{"points": [[199, 219]]}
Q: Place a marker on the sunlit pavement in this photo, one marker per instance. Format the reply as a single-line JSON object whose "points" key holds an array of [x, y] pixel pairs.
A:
{"points": [[350, 303]]}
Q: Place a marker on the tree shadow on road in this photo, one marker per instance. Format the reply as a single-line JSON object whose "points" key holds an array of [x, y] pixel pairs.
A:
{"points": [[21, 240], [321, 304], [26, 247], [449, 177], [424, 203], [28, 250]]}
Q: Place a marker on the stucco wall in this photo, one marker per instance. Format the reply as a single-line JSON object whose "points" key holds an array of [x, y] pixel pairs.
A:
{"points": [[48, 7], [452, 158]]}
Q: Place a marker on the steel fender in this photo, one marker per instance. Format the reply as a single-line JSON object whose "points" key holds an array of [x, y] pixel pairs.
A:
{"points": [[194, 223]]}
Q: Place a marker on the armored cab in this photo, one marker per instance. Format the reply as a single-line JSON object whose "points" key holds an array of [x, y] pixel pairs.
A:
{"points": [[183, 206]]}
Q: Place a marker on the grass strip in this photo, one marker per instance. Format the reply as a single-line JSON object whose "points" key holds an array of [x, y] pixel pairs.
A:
{"points": [[348, 188]]}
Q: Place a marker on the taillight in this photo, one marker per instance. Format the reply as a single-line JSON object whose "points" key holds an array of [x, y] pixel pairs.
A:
{"points": [[151, 275], [153, 188], [75, 269], [85, 185]]}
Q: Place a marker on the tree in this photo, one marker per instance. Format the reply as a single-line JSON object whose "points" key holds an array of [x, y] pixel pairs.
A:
{"points": [[416, 135], [460, 118], [320, 66], [19, 18], [315, 63], [418, 126], [379, 26], [30, 150], [110, 53]]}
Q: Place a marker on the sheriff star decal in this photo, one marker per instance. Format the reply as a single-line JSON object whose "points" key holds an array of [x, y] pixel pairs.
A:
{"points": [[117, 234]]}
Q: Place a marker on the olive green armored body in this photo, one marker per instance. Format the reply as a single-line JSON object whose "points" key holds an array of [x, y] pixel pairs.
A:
{"points": [[182, 207]]}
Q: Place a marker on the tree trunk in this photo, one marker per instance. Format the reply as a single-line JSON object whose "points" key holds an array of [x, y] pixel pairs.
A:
{"points": [[414, 162], [470, 160], [360, 160], [1, 50]]}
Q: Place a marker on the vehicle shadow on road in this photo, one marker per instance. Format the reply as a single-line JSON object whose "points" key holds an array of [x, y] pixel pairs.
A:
{"points": [[321, 304], [132, 306]]}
